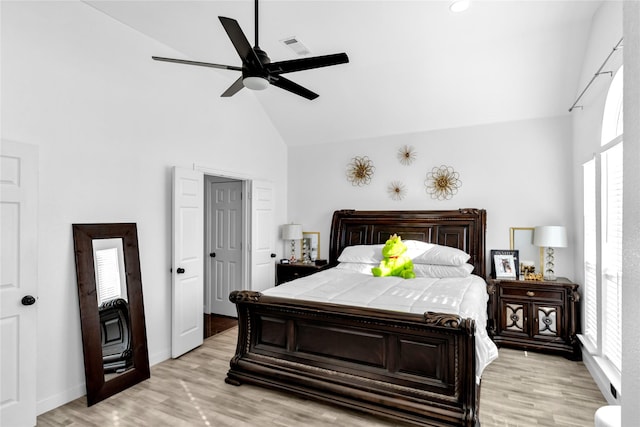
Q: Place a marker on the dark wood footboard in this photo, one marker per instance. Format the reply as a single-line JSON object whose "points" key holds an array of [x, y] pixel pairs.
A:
{"points": [[419, 369]]}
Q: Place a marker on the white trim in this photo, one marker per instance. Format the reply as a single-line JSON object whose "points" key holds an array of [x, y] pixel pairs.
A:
{"points": [[603, 372], [222, 173]]}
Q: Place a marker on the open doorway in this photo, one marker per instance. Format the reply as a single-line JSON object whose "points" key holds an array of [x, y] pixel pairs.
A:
{"points": [[224, 259], [190, 291]]}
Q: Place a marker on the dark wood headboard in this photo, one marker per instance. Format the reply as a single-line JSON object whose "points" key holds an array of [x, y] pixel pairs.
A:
{"points": [[463, 229]]}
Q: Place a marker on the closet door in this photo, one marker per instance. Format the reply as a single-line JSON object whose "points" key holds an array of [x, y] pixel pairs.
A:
{"points": [[18, 289]]}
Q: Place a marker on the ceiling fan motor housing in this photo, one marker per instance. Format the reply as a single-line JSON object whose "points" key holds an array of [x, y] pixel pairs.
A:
{"points": [[257, 70]]}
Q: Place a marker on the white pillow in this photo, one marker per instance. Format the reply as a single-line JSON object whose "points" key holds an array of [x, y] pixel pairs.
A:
{"points": [[442, 255], [419, 252], [416, 248], [428, 270], [371, 254], [360, 267]]}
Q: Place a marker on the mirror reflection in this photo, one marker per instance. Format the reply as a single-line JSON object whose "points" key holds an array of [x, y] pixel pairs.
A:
{"points": [[113, 306], [521, 238]]}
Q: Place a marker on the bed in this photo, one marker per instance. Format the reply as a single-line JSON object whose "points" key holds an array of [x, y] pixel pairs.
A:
{"points": [[417, 368]]}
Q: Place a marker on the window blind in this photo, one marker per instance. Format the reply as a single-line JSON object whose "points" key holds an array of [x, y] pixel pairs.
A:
{"points": [[590, 257], [612, 253], [108, 274]]}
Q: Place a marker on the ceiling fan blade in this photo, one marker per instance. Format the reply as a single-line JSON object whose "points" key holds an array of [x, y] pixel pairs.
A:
{"points": [[234, 88], [307, 63], [201, 64], [287, 84], [240, 42]]}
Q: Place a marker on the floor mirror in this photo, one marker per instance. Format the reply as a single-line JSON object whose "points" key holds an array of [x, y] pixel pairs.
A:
{"points": [[112, 318]]}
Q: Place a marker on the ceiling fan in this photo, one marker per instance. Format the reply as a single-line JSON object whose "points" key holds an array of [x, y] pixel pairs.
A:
{"points": [[258, 72]]}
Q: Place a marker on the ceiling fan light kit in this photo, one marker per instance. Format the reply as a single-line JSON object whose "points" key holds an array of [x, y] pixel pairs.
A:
{"points": [[255, 83], [257, 69]]}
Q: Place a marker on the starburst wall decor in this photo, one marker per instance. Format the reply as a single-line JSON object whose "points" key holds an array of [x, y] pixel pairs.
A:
{"points": [[360, 171], [406, 155], [442, 182], [397, 190]]}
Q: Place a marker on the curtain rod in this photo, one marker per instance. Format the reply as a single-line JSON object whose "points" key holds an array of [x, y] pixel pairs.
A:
{"points": [[598, 73]]}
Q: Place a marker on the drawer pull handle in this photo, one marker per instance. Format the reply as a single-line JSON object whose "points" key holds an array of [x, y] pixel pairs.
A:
{"points": [[531, 293]]}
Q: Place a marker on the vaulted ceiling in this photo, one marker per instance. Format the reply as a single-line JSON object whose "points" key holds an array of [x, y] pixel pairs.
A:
{"points": [[414, 65]]}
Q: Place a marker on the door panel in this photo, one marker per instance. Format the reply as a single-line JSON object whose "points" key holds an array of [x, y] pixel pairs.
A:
{"points": [[224, 245], [547, 322], [514, 318], [18, 327], [187, 269], [262, 244]]}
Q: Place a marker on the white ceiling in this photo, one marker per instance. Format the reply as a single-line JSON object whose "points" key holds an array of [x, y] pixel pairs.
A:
{"points": [[414, 66]]}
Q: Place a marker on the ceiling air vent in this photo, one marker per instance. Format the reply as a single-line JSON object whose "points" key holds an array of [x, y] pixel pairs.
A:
{"points": [[296, 45]]}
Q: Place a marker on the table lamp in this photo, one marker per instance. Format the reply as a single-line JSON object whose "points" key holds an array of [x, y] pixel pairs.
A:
{"points": [[292, 232], [550, 236]]}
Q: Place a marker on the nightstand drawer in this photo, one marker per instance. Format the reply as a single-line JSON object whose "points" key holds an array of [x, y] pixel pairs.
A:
{"points": [[532, 293]]}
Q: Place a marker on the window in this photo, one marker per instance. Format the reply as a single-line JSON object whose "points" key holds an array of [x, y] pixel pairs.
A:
{"points": [[602, 178]]}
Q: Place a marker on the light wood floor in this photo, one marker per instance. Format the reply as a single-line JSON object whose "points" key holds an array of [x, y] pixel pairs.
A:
{"points": [[518, 389]]}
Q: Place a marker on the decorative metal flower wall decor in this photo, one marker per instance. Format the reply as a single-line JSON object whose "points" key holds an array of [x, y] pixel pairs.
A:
{"points": [[360, 171], [442, 182], [406, 155], [397, 190]]}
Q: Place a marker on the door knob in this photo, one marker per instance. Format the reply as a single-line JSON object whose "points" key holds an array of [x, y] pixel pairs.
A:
{"points": [[180, 270], [212, 254], [28, 300], [273, 255]]}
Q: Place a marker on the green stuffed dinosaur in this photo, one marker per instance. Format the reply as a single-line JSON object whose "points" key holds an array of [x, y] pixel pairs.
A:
{"points": [[394, 262]]}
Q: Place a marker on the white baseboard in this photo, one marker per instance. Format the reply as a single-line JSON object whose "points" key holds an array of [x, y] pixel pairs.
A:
{"points": [[52, 402], [160, 356]]}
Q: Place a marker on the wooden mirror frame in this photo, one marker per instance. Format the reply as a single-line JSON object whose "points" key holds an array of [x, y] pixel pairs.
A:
{"points": [[83, 235]]}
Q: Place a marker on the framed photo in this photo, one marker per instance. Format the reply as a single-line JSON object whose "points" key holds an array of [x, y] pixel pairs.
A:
{"points": [[310, 245], [505, 264]]}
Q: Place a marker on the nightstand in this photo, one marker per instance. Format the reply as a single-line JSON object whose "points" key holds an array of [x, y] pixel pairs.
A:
{"points": [[295, 270], [534, 315]]}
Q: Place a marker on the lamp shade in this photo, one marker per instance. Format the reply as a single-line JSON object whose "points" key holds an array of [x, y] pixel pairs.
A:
{"points": [[291, 232], [550, 236]]}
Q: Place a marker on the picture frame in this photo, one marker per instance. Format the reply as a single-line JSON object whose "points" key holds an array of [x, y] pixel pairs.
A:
{"points": [[310, 246], [531, 257], [505, 264]]}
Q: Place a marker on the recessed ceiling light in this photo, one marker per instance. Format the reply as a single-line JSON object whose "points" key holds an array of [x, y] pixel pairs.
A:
{"points": [[459, 5]]}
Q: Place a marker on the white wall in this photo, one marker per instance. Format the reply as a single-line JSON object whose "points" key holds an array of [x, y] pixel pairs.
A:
{"points": [[517, 171], [110, 123], [631, 244], [606, 31]]}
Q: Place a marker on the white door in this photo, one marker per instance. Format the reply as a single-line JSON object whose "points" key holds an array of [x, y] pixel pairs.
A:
{"points": [[18, 327], [224, 244], [187, 266], [262, 232]]}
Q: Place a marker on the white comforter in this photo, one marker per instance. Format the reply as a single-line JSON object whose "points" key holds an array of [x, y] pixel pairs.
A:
{"points": [[464, 296]]}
